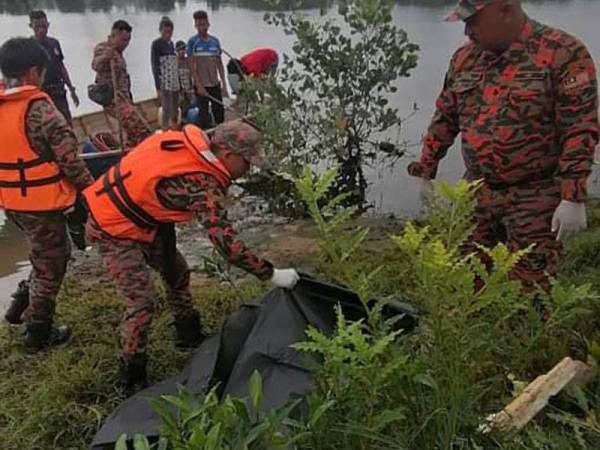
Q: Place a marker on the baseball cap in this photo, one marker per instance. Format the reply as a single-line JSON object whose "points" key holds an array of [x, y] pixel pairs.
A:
{"points": [[242, 139], [466, 8]]}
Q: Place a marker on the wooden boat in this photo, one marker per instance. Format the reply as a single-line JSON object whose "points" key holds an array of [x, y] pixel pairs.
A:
{"points": [[89, 124], [100, 122]]}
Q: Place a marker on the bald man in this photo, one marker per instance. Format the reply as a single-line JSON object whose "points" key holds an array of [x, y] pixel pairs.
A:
{"points": [[523, 96]]}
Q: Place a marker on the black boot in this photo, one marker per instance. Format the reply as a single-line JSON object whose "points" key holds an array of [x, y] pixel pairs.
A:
{"points": [[19, 304], [38, 336], [188, 331], [132, 374]]}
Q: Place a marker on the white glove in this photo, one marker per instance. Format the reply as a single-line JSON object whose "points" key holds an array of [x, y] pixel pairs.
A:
{"points": [[569, 217], [285, 278], [425, 192]]}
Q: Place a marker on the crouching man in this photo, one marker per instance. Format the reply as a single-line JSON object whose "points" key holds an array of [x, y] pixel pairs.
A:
{"points": [[171, 177]]}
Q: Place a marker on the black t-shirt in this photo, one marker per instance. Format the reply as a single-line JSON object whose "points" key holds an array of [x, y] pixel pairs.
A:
{"points": [[54, 77], [164, 65]]}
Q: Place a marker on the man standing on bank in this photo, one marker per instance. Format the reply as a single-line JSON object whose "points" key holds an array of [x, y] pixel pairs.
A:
{"points": [[57, 75], [109, 62], [40, 174], [523, 96], [170, 177], [204, 54]]}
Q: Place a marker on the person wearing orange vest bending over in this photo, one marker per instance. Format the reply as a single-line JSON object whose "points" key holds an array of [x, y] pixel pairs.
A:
{"points": [[171, 177], [40, 174]]}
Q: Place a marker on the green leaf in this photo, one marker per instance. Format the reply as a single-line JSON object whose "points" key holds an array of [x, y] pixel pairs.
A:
{"points": [[318, 413], [255, 389], [427, 380], [140, 442], [213, 440], [121, 443], [163, 444]]}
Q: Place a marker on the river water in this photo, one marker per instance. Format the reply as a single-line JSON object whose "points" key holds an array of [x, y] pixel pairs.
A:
{"points": [[80, 24]]}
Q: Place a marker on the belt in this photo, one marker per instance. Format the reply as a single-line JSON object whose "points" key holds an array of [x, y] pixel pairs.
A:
{"points": [[545, 175]]}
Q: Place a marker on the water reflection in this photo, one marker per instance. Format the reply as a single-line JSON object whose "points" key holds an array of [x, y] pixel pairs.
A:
{"points": [[18, 7], [13, 245]]}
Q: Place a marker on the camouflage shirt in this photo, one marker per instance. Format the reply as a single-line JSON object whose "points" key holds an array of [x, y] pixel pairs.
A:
{"points": [[104, 53], [529, 112], [203, 195], [50, 135], [206, 198]]}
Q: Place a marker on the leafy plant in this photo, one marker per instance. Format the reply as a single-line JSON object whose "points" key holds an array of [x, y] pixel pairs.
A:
{"points": [[359, 381], [190, 422], [332, 104], [329, 217]]}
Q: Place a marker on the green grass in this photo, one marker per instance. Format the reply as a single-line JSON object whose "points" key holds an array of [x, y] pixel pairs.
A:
{"points": [[57, 399]]}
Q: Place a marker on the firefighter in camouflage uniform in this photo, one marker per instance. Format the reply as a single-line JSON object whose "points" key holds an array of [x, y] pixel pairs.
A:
{"points": [[40, 174], [171, 177], [524, 98]]}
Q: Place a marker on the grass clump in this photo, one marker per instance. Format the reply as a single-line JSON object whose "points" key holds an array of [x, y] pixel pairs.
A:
{"points": [[57, 399]]}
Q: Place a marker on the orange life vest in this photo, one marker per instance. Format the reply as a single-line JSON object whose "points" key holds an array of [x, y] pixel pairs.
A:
{"points": [[124, 203], [28, 181]]}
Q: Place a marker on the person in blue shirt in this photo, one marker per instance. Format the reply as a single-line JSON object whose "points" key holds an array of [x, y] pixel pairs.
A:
{"points": [[204, 53]]}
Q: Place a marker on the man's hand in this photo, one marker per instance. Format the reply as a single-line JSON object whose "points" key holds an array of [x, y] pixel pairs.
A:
{"points": [[569, 218], [425, 192], [74, 96], [285, 278]]}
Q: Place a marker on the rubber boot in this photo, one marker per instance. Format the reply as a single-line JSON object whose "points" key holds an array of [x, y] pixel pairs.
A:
{"points": [[41, 335], [19, 304], [188, 331], [132, 374]]}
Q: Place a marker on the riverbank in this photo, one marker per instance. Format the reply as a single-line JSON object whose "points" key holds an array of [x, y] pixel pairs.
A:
{"points": [[58, 399]]}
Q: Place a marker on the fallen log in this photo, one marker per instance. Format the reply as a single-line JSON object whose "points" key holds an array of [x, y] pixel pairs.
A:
{"points": [[536, 395]]}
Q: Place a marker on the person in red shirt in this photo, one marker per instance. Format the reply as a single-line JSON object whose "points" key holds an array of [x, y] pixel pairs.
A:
{"points": [[258, 63]]}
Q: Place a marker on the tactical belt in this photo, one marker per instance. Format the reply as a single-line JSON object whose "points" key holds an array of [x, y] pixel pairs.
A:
{"points": [[23, 182], [545, 175], [123, 201]]}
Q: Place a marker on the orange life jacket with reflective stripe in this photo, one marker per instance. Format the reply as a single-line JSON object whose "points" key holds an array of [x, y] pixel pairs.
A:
{"points": [[124, 203], [28, 181]]}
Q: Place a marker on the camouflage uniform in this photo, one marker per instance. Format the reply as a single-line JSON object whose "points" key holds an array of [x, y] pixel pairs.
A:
{"points": [[49, 134], [529, 124], [123, 108], [126, 259]]}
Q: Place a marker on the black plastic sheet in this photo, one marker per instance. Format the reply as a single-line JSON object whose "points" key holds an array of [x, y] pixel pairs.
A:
{"points": [[257, 337]]}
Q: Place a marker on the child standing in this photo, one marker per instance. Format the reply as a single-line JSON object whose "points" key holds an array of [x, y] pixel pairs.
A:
{"points": [[166, 74], [187, 96]]}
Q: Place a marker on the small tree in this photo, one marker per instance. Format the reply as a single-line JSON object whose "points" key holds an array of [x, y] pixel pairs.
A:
{"points": [[332, 101]]}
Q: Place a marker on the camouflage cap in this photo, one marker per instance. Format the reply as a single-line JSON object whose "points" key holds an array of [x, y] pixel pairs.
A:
{"points": [[240, 138], [467, 8]]}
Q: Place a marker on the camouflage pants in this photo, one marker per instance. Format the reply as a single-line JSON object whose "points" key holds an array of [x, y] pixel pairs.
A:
{"points": [[128, 262], [129, 118], [520, 216], [50, 252]]}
